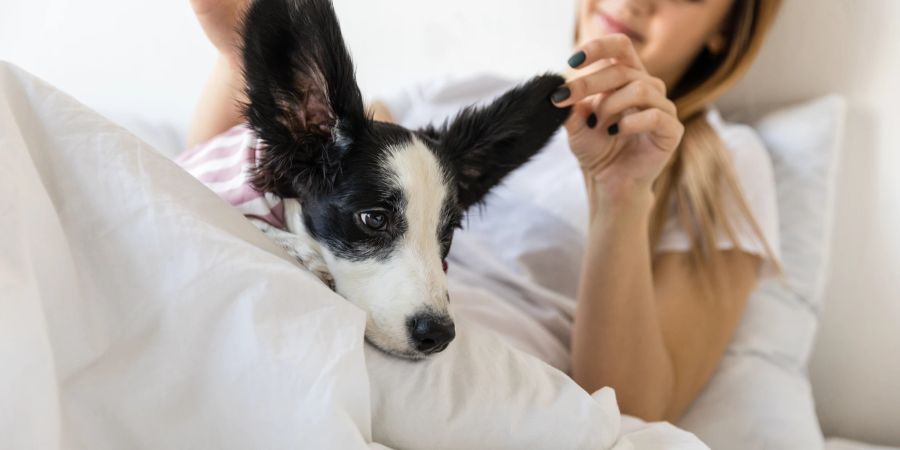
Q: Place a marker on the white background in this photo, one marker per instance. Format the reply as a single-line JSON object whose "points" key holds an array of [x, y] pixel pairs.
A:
{"points": [[851, 47], [146, 60]]}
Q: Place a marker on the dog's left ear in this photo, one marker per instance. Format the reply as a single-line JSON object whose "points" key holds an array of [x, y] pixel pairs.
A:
{"points": [[303, 99], [484, 144]]}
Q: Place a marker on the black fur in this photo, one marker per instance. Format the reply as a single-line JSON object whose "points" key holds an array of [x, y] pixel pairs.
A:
{"points": [[321, 147], [484, 144], [331, 215], [303, 97]]}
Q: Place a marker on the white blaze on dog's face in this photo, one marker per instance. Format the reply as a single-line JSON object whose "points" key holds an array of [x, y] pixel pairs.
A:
{"points": [[402, 286]]}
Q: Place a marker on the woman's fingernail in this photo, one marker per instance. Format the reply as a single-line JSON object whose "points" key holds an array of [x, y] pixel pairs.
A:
{"points": [[613, 129], [577, 59], [592, 121], [560, 94]]}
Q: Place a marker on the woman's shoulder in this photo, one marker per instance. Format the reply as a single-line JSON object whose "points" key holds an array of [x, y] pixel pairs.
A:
{"points": [[748, 152], [750, 160], [752, 167], [754, 172]]}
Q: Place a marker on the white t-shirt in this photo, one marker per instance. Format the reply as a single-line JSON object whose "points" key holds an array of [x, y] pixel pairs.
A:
{"points": [[515, 266]]}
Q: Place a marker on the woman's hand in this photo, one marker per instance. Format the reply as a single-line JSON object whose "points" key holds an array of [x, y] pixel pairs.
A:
{"points": [[623, 129]]}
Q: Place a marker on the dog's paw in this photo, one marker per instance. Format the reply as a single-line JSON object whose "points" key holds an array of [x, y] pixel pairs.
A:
{"points": [[307, 257], [300, 249], [323, 275]]}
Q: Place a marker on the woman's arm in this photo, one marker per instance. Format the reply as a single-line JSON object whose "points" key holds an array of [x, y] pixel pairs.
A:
{"points": [[380, 112], [617, 337], [219, 105], [697, 330], [644, 327], [641, 326]]}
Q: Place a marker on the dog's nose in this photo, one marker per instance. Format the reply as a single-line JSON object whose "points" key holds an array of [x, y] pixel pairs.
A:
{"points": [[431, 334]]}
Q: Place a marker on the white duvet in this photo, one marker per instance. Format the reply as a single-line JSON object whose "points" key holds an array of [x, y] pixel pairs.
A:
{"points": [[137, 310]]}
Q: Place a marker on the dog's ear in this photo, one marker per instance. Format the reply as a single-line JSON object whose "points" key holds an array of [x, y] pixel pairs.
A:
{"points": [[303, 100], [484, 144]]}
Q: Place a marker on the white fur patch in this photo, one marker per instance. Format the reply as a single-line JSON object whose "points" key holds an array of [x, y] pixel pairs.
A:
{"points": [[423, 183], [411, 281]]}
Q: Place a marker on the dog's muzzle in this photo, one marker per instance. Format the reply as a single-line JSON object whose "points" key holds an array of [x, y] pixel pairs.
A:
{"points": [[430, 333]]}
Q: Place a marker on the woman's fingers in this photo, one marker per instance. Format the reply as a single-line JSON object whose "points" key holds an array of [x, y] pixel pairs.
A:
{"points": [[639, 94], [578, 119], [618, 100], [663, 128], [612, 46], [634, 109], [605, 80], [605, 108]]}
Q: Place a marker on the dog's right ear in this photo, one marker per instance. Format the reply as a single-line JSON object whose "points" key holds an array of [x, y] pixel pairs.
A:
{"points": [[303, 100]]}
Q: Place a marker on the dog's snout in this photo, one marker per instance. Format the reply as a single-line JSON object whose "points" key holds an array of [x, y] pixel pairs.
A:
{"points": [[431, 334]]}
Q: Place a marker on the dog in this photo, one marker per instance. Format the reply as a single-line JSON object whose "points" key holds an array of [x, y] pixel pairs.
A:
{"points": [[371, 207]]}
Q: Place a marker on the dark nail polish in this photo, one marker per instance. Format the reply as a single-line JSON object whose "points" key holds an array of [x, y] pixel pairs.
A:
{"points": [[613, 129], [560, 94], [592, 121], [577, 59]]}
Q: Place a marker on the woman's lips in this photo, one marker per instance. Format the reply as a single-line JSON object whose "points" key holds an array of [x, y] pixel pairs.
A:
{"points": [[614, 26]]}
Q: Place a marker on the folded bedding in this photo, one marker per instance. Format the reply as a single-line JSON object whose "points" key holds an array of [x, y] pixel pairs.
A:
{"points": [[138, 310]]}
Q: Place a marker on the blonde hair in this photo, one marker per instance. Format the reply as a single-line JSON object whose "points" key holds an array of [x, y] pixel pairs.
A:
{"points": [[700, 176]]}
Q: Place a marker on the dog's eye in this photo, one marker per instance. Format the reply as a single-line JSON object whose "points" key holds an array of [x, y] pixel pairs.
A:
{"points": [[373, 219]]}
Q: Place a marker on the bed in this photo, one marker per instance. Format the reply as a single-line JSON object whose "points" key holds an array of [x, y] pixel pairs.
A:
{"points": [[141, 311]]}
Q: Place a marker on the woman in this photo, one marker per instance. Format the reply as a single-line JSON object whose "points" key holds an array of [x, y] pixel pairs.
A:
{"points": [[672, 246]]}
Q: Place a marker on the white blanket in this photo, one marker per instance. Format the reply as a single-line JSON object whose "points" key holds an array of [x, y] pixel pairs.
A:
{"points": [[137, 310]]}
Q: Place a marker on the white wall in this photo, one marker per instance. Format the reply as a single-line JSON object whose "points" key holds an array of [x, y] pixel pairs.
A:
{"points": [[851, 47], [141, 56], [148, 59], [144, 61], [144, 57], [397, 43]]}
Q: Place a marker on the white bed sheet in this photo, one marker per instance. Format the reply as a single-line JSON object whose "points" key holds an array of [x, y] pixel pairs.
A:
{"points": [[137, 310], [133, 313]]}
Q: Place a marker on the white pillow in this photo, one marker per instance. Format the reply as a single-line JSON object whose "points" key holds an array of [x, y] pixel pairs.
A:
{"points": [[482, 393], [479, 393], [760, 395]]}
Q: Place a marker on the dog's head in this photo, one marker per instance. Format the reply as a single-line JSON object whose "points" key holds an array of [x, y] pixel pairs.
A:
{"points": [[383, 201]]}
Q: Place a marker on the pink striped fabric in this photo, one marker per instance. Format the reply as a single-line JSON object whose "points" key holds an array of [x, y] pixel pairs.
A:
{"points": [[223, 163]]}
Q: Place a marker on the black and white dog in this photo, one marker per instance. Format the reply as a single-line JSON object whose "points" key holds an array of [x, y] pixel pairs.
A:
{"points": [[372, 206]]}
